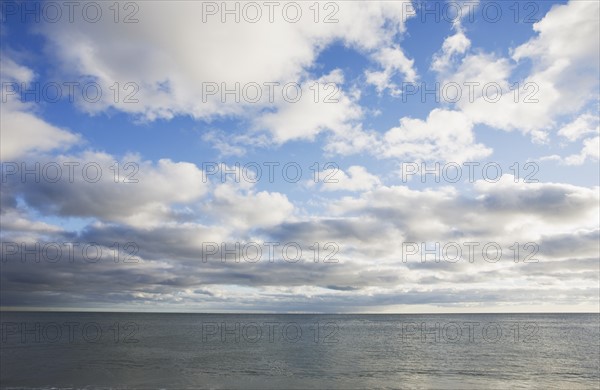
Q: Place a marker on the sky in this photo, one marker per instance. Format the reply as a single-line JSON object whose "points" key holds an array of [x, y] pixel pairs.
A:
{"points": [[322, 157]]}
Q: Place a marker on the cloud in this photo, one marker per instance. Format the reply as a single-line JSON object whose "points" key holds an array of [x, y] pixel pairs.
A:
{"points": [[454, 45], [353, 140], [565, 70], [245, 208], [163, 55], [584, 125], [368, 229], [393, 60], [519, 211], [24, 132], [444, 135], [324, 106], [11, 71], [590, 150], [171, 210], [562, 80], [357, 178], [571, 205], [141, 193]]}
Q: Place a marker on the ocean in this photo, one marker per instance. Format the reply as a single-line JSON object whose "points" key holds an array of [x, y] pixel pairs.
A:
{"points": [[45, 350]]}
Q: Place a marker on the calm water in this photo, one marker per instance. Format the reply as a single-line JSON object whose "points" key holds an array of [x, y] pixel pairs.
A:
{"points": [[108, 350]]}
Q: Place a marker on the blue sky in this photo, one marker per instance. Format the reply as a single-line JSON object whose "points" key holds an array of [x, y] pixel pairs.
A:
{"points": [[372, 56]]}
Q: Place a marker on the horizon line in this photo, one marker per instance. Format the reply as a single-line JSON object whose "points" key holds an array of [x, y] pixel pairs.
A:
{"points": [[280, 313]]}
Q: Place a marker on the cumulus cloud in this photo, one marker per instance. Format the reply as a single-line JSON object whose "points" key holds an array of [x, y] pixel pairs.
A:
{"points": [[246, 208], [393, 60], [163, 55], [324, 106], [94, 184], [357, 178], [562, 80], [590, 150], [453, 46], [584, 125], [565, 69], [24, 132], [445, 135]]}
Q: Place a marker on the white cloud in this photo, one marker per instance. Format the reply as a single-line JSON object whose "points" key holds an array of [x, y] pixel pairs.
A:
{"points": [[235, 203], [504, 211], [590, 150], [353, 140], [223, 144], [170, 52], [245, 209], [11, 71], [393, 60], [141, 194], [23, 131], [483, 69], [584, 124], [568, 32], [562, 81], [323, 106], [454, 45], [444, 135], [357, 178], [565, 70]]}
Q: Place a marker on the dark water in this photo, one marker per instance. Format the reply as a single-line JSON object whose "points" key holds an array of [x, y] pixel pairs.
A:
{"points": [[123, 350]]}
